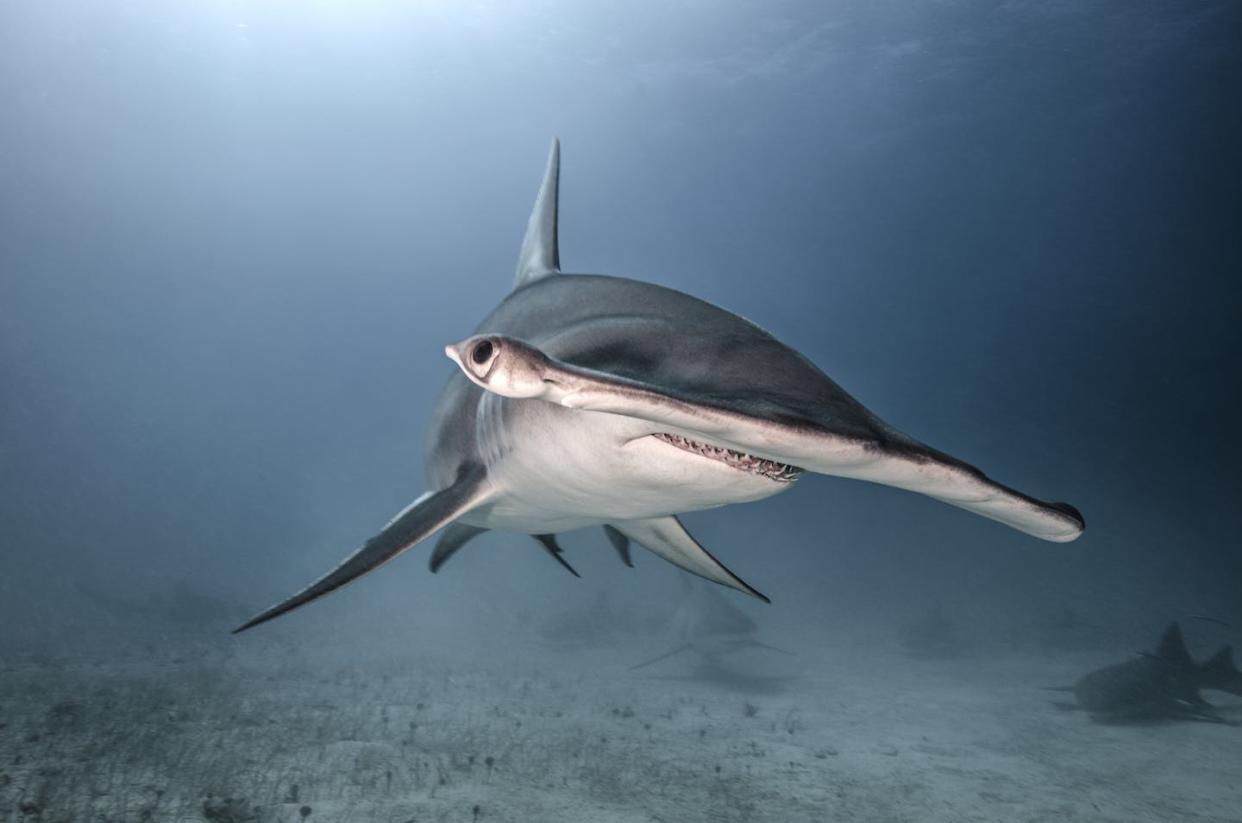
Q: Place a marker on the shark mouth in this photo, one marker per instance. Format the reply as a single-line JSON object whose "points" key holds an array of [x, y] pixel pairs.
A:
{"points": [[780, 472]]}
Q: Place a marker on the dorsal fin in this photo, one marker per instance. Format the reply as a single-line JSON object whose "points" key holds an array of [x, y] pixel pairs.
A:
{"points": [[540, 255], [1172, 647]]}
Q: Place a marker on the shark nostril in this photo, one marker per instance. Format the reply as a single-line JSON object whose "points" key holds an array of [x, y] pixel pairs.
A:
{"points": [[482, 352]]}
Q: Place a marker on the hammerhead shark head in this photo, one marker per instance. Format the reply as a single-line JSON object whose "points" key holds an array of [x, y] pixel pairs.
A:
{"points": [[588, 400], [1159, 685]]}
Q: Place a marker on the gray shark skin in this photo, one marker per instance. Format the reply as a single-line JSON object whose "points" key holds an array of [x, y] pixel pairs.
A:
{"points": [[1164, 685], [587, 400]]}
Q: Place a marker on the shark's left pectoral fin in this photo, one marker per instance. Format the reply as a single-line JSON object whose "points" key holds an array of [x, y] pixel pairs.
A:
{"points": [[418, 521], [669, 539], [841, 439]]}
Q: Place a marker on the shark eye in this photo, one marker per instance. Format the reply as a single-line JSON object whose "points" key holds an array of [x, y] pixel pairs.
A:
{"points": [[482, 352]]}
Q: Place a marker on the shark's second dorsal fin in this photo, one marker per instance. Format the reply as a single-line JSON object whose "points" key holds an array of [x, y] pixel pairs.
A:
{"points": [[540, 255]]}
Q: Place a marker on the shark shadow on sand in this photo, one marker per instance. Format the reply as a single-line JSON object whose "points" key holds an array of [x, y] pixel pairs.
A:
{"points": [[603, 624], [709, 629]]}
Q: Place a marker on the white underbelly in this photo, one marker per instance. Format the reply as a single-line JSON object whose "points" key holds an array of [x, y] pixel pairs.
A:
{"points": [[556, 469]]}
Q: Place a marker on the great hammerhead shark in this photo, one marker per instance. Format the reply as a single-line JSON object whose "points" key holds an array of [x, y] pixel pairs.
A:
{"points": [[590, 400]]}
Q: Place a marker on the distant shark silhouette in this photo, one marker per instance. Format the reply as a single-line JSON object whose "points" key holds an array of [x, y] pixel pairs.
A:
{"points": [[1164, 685], [590, 400], [708, 625]]}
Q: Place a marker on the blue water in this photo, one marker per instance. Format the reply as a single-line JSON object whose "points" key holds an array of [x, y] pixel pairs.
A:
{"points": [[235, 237]]}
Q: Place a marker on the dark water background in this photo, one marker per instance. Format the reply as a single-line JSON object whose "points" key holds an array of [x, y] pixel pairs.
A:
{"points": [[234, 238]]}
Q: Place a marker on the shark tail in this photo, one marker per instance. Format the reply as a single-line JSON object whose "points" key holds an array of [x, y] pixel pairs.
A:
{"points": [[1219, 672]]}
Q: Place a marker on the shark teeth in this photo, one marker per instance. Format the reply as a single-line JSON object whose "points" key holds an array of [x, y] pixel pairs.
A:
{"points": [[780, 472]]}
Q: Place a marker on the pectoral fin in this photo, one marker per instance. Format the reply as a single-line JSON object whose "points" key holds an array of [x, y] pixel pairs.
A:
{"points": [[669, 539], [416, 522]]}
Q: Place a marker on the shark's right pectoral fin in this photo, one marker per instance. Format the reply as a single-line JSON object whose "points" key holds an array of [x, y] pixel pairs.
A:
{"points": [[418, 521], [669, 539], [1219, 672]]}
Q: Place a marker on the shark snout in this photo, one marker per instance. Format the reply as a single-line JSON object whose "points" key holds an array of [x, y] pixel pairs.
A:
{"points": [[503, 365], [456, 353], [477, 356]]}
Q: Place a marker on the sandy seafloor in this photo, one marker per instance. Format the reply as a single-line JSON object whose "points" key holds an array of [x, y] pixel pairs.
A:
{"points": [[277, 734]]}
